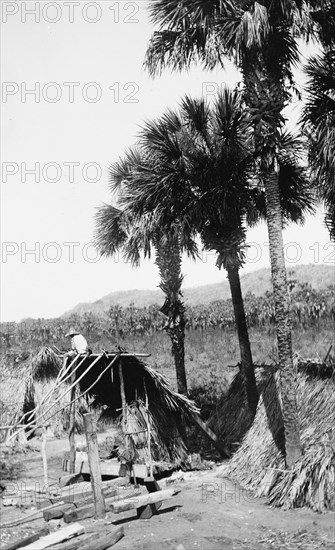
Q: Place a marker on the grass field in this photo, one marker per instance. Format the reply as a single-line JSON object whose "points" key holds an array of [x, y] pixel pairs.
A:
{"points": [[208, 354], [211, 356]]}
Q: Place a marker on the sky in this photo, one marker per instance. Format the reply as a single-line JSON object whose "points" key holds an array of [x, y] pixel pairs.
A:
{"points": [[74, 95]]}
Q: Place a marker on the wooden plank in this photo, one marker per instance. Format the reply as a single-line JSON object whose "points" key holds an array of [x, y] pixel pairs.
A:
{"points": [[37, 514], [102, 539], [113, 468], [88, 510], [94, 464], [58, 536], [106, 541], [143, 500], [79, 491], [109, 492], [27, 540], [77, 542]]}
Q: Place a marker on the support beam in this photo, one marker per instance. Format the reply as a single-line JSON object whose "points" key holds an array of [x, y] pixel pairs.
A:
{"points": [[219, 445], [94, 465]]}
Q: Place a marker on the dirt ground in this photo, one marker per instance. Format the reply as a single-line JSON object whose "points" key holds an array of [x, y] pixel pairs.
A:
{"points": [[210, 513]]}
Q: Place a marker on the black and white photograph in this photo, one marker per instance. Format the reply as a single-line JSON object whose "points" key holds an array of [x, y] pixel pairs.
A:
{"points": [[167, 361]]}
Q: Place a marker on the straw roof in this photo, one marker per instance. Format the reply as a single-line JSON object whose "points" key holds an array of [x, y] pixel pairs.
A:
{"points": [[25, 378], [168, 410], [259, 463], [232, 419]]}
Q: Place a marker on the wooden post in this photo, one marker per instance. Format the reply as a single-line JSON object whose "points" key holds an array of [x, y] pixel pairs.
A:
{"points": [[123, 398], [44, 456], [72, 419], [94, 465], [147, 418]]}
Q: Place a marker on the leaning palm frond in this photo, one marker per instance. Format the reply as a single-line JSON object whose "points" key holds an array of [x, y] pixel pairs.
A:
{"points": [[319, 125]]}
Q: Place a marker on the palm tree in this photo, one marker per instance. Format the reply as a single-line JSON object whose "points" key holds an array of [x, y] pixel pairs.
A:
{"points": [[194, 174], [262, 40], [209, 184], [119, 230]]}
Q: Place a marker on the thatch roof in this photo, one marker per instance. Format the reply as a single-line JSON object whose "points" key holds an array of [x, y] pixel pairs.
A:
{"points": [[259, 462], [25, 379], [232, 419], [168, 410]]}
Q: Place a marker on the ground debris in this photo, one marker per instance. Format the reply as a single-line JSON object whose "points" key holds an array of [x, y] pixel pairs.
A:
{"points": [[296, 540], [276, 540]]}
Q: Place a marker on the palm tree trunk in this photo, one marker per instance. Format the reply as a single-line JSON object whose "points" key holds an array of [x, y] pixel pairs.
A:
{"points": [[280, 292], [247, 368], [264, 88], [177, 335], [168, 260]]}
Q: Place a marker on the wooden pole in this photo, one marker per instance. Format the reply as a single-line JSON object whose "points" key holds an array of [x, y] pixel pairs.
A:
{"points": [[148, 427], [72, 418], [94, 465], [44, 456], [123, 398], [219, 445]]}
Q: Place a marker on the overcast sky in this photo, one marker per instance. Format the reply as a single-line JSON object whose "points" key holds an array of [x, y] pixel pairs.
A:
{"points": [[74, 94]]}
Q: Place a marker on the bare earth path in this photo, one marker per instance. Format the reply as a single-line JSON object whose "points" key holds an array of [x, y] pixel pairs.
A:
{"points": [[210, 513]]}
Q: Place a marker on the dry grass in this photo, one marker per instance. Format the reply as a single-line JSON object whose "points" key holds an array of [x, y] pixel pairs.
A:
{"points": [[259, 462]]}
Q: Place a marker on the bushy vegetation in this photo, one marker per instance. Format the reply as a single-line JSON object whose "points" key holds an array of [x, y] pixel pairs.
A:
{"points": [[309, 309]]}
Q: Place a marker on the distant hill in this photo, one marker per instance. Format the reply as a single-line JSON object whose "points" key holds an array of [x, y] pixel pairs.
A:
{"points": [[258, 282]]}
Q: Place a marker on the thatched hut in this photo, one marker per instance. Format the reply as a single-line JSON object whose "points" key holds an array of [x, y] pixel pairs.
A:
{"points": [[259, 463], [124, 388]]}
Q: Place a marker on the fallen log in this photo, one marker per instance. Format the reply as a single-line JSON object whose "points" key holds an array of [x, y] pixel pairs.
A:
{"points": [[106, 541], [27, 540], [143, 500], [38, 514], [72, 493], [75, 543], [58, 512], [102, 540], [87, 511], [58, 536]]}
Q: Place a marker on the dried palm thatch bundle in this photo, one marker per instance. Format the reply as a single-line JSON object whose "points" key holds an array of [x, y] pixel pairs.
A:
{"points": [[259, 463], [316, 367], [232, 419], [45, 365], [166, 443]]}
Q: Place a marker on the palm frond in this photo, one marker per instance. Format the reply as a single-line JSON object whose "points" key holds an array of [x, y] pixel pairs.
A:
{"points": [[111, 230]]}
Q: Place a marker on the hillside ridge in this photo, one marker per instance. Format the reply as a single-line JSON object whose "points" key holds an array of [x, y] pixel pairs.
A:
{"points": [[258, 282]]}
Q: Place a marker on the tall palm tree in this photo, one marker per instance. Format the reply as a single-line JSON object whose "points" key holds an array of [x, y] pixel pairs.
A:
{"points": [[206, 187], [209, 183], [262, 40], [119, 230]]}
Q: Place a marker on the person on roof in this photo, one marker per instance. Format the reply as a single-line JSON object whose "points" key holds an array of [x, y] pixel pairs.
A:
{"points": [[78, 342]]}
